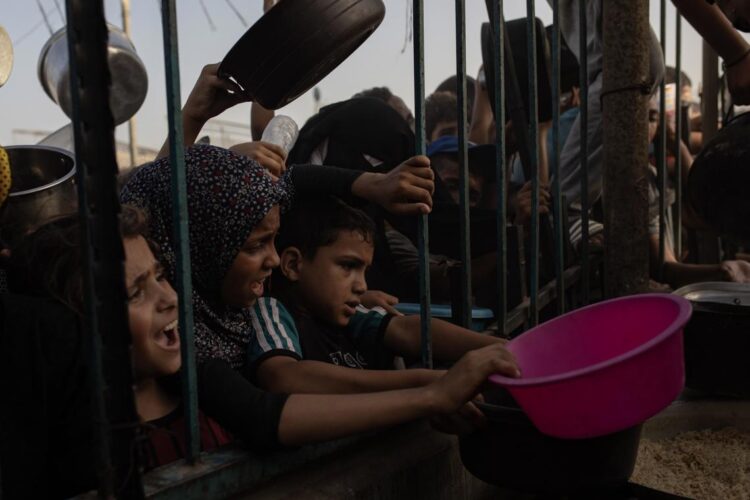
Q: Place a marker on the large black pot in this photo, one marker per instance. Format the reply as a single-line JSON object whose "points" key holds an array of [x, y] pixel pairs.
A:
{"points": [[296, 44], [513, 454], [717, 338]]}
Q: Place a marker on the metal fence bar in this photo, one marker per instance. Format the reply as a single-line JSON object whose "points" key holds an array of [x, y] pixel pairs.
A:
{"points": [[463, 158], [584, 152], [423, 236], [678, 136], [534, 150], [181, 235], [498, 28], [661, 149], [106, 320], [554, 159]]}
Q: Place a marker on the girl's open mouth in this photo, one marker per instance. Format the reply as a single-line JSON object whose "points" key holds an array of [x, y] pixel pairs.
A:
{"points": [[169, 337]]}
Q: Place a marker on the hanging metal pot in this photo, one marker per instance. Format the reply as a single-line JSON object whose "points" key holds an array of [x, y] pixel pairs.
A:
{"points": [[43, 188], [296, 44], [128, 74], [6, 56]]}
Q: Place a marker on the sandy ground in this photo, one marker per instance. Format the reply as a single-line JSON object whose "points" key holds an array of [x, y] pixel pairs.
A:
{"points": [[705, 465]]}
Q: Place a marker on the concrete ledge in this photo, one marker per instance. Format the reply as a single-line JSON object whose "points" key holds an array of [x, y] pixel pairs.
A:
{"points": [[411, 461]]}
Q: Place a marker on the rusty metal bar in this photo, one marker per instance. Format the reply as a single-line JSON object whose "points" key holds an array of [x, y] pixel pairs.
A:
{"points": [[106, 315], [626, 47]]}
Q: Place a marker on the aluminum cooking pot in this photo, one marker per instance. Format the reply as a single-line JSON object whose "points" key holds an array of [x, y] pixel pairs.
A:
{"points": [[296, 44], [129, 78], [43, 188], [717, 338]]}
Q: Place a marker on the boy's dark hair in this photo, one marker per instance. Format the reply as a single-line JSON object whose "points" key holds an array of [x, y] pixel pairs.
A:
{"points": [[317, 222], [49, 261], [670, 76], [450, 84], [382, 93], [439, 107]]}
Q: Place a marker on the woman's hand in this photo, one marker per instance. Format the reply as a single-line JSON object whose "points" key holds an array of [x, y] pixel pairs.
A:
{"points": [[463, 382], [405, 190], [211, 96], [523, 205], [270, 156], [376, 298]]}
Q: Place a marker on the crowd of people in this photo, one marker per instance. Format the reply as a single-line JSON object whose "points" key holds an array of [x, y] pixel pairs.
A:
{"points": [[300, 258]]}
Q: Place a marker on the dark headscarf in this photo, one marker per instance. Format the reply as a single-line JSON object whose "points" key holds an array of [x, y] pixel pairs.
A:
{"points": [[228, 195], [354, 128]]}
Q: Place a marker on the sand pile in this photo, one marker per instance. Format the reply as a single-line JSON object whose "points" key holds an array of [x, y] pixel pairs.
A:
{"points": [[705, 465]]}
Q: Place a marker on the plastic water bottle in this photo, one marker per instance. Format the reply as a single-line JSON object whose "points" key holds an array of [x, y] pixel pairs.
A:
{"points": [[282, 131]]}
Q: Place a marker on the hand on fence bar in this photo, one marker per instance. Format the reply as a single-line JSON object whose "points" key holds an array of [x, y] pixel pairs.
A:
{"points": [[376, 298], [405, 190], [270, 156], [522, 203]]}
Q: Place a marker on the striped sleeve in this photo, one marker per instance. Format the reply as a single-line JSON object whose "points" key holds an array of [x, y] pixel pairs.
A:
{"points": [[274, 332]]}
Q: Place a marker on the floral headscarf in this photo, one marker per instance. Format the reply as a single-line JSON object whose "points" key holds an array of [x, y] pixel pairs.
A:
{"points": [[228, 195]]}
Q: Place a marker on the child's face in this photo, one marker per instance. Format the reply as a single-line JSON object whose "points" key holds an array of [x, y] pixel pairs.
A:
{"points": [[152, 313], [653, 120], [243, 283], [331, 283]]}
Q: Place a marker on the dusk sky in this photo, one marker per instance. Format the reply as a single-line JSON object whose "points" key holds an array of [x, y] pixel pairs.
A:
{"points": [[380, 61]]}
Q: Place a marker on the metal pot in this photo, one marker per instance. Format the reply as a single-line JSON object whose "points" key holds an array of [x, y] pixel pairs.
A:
{"points": [[128, 74], [717, 338], [43, 188], [296, 44]]}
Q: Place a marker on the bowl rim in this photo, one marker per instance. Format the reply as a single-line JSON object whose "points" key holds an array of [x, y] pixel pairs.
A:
{"points": [[683, 315], [56, 182]]}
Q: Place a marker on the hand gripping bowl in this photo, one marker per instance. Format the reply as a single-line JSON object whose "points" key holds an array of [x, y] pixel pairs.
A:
{"points": [[602, 368]]}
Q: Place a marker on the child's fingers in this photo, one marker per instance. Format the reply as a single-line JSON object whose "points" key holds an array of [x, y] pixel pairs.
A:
{"points": [[275, 149]]}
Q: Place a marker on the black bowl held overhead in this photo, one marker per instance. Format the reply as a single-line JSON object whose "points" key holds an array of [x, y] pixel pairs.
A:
{"points": [[296, 44], [510, 452]]}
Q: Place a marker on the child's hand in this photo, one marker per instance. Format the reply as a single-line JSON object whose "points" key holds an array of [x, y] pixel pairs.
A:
{"points": [[736, 271], [376, 298], [405, 190], [464, 421], [463, 381], [270, 156], [211, 96]]}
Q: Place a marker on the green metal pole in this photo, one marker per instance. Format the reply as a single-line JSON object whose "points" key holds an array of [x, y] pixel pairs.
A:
{"points": [[423, 242], [181, 234]]}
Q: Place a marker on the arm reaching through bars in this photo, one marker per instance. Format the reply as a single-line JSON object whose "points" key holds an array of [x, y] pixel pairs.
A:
{"points": [[716, 28]]}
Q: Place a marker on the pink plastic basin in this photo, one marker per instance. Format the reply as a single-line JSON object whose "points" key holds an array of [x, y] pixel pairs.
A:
{"points": [[602, 368]]}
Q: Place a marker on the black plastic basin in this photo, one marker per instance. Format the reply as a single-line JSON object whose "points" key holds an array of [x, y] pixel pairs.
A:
{"points": [[513, 454]]}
